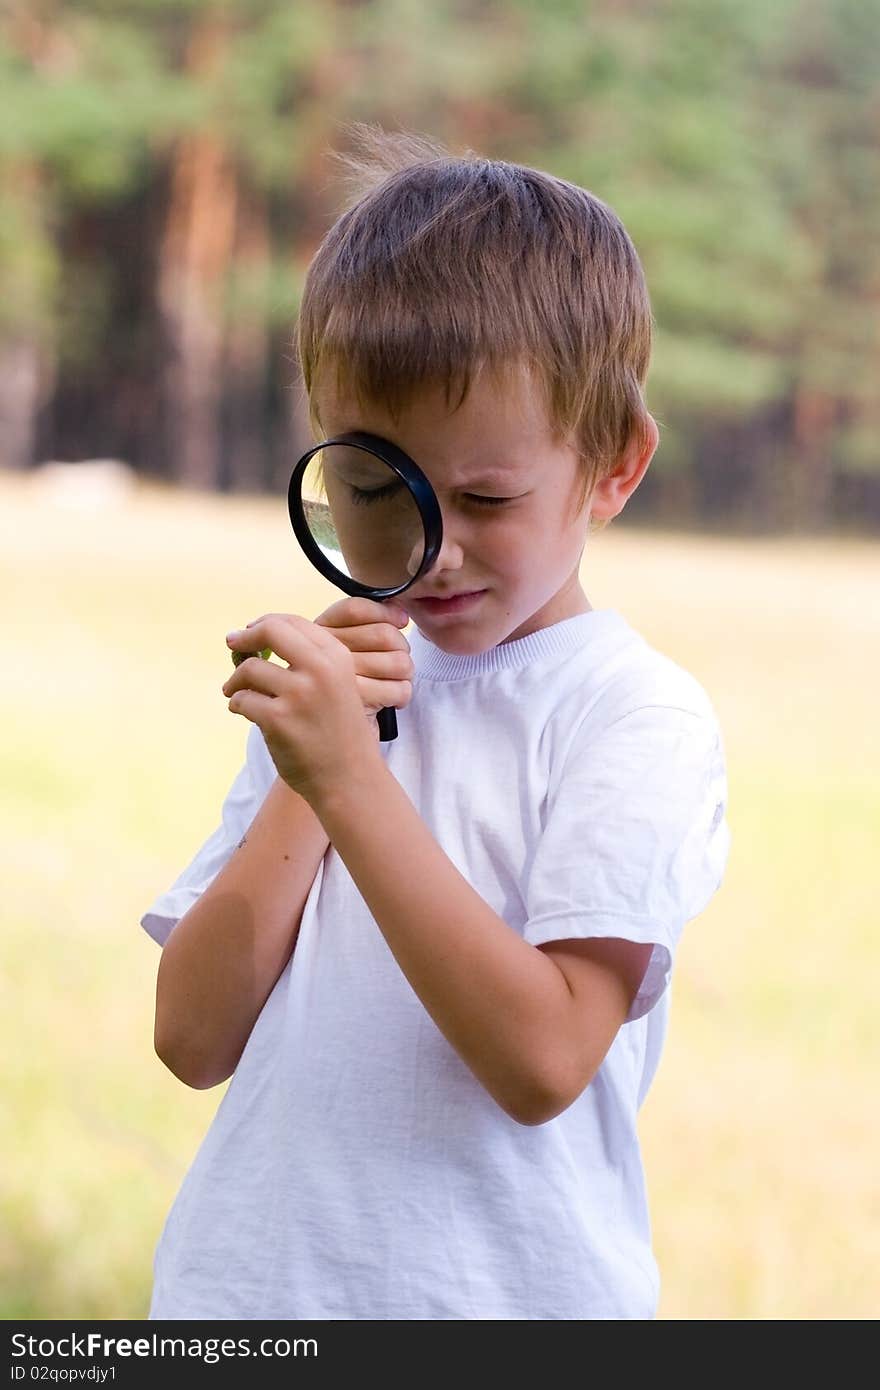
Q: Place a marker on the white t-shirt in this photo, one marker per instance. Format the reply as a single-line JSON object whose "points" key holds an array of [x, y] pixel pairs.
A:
{"points": [[355, 1168]]}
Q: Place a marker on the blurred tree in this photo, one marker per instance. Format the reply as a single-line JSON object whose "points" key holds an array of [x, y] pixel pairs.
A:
{"points": [[822, 94], [27, 261], [27, 268], [739, 143], [165, 184], [194, 263]]}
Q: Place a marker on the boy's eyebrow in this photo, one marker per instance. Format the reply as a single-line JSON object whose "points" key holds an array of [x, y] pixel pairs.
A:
{"points": [[512, 476], [493, 477]]}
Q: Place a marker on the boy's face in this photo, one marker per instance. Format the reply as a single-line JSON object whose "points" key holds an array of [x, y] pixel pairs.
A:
{"points": [[507, 492]]}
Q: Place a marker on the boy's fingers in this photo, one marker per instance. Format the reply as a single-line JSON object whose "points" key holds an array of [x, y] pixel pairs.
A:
{"points": [[354, 612], [384, 666], [379, 653], [256, 674], [378, 694], [286, 634], [371, 637], [383, 678]]}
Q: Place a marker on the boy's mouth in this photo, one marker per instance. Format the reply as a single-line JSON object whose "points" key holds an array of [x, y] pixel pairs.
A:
{"points": [[455, 603]]}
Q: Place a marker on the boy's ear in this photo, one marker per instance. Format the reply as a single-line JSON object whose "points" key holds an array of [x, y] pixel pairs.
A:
{"points": [[611, 493]]}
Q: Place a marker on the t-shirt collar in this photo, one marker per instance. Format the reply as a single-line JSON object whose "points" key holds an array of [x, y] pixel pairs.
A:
{"points": [[569, 634]]}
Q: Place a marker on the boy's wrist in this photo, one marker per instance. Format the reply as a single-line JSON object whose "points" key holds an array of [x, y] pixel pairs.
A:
{"points": [[335, 796]]}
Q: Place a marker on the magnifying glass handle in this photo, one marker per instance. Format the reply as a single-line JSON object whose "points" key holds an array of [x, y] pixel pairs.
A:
{"points": [[387, 720]]}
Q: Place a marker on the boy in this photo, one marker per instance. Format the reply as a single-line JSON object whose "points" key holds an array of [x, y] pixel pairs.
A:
{"points": [[436, 969]]}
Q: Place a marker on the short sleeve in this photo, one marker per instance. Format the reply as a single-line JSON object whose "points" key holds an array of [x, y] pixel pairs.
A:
{"points": [[635, 839], [241, 804]]}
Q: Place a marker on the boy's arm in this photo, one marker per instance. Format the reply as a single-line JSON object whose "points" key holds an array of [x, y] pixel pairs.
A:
{"points": [[532, 1023], [222, 960]]}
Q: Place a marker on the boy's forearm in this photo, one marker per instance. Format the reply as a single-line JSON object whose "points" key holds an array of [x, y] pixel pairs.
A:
{"points": [[221, 961], [499, 1001]]}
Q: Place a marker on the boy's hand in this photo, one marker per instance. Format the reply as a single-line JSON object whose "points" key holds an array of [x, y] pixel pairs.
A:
{"points": [[309, 710], [382, 662]]}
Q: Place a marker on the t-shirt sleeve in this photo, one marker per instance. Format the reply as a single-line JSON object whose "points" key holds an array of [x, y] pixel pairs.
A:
{"points": [[635, 839], [243, 800]]}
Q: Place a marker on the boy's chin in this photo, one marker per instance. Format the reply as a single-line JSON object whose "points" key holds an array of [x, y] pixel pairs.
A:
{"points": [[461, 643]]}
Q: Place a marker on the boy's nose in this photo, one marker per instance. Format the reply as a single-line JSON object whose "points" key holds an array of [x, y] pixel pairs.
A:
{"points": [[449, 557]]}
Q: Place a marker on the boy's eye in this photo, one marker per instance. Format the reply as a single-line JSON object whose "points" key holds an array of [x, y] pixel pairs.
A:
{"points": [[363, 497]]}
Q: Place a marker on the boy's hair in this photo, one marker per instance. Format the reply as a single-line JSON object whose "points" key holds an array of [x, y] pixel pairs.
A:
{"points": [[440, 264]]}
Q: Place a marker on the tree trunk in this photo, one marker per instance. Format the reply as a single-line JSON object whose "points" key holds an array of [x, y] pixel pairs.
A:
{"points": [[20, 394], [247, 354], [806, 497], [27, 355], [194, 260]]}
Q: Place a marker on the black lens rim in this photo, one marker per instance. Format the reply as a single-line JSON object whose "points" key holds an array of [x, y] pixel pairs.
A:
{"points": [[406, 469]]}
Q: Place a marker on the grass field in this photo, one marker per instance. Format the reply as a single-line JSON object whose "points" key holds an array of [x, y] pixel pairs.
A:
{"points": [[116, 748]]}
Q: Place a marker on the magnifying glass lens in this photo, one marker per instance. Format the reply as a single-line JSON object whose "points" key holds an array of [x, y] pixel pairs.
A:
{"points": [[362, 516]]}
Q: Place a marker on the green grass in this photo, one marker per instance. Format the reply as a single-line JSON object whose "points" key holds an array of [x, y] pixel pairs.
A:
{"points": [[117, 747]]}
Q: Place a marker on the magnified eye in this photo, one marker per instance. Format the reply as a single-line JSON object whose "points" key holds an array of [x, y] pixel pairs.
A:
{"points": [[364, 497]]}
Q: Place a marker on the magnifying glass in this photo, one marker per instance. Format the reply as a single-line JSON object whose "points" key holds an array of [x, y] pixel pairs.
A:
{"points": [[367, 518]]}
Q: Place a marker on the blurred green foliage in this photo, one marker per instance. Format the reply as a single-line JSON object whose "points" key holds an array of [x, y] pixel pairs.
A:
{"points": [[737, 140]]}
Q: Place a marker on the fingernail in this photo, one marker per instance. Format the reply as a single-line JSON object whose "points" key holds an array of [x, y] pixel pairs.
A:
{"points": [[231, 636]]}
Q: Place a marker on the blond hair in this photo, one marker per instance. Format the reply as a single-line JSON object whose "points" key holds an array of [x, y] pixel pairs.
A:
{"points": [[441, 265]]}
